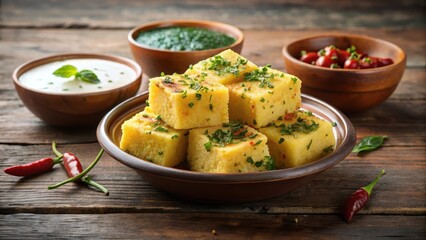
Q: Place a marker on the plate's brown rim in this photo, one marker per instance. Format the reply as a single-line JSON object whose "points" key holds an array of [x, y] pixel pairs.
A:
{"points": [[340, 153]]}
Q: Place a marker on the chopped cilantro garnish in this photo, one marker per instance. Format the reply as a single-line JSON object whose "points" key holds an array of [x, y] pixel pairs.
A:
{"points": [[222, 66], [161, 129], [328, 149], [301, 125], [267, 162], [168, 79], [260, 75], [309, 145], [198, 96], [232, 132], [208, 146]]}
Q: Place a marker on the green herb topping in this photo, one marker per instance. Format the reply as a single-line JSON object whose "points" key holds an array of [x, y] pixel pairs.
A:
{"points": [[208, 146], [328, 149], [222, 66], [309, 145], [301, 125], [161, 129], [267, 162], [68, 71], [261, 75], [233, 132]]}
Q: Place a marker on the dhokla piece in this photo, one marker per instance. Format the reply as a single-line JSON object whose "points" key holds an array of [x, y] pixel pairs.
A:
{"points": [[299, 138], [225, 67], [231, 148], [186, 102], [263, 96], [147, 137]]}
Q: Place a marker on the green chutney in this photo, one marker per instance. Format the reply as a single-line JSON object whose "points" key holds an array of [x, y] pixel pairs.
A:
{"points": [[184, 39]]}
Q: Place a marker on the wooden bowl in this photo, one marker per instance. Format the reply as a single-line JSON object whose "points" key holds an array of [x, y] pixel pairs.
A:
{"points": [[74, 109], [225, 188], [155, 61], [350, 90]]}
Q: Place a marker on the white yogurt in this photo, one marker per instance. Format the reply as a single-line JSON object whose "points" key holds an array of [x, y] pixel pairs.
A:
{"points": [[111, 74]]}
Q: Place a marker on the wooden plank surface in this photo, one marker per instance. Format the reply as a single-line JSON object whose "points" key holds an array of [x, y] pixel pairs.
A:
{"points": [[201, 226], [135, 209], [397, 193], [248, 14]]}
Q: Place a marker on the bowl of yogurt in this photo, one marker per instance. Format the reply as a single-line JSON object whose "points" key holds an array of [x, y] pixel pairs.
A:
{"points": [[76, 89]]}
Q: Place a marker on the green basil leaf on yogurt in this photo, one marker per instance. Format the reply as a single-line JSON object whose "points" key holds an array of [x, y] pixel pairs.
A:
{"points": [[369, 143], [66, 71], [88, 76]]}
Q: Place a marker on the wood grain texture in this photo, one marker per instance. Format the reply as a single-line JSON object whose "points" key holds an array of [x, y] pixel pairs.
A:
{"points": [[397, 193], [209, 226], [250, 14]]}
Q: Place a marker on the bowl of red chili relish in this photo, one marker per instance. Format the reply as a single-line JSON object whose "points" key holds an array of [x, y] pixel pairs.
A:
{"points": [[171, 46], [346, 70]]}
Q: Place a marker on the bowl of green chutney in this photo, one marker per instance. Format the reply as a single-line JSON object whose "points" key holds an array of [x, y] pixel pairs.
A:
{"points": [[171, 46]]}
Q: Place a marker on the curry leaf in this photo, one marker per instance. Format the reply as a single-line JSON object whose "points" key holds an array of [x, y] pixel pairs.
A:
{"points": [[369, 143]]}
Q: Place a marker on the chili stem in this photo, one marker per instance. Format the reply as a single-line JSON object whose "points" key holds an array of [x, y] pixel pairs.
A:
{"points": [[88, 180], [79, 175], [55, 150], [57, 160], [370, 186]]}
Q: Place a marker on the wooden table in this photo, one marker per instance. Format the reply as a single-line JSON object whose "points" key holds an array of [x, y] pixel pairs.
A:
{"points": [[135, 209]]}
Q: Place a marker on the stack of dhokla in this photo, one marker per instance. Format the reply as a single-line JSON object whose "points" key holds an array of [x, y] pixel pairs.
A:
{"points": [[227, 115]]}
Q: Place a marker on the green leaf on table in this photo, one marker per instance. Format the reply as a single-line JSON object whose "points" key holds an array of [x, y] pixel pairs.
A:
{"points": [[65, 71], [369, 143], [88, 76]]}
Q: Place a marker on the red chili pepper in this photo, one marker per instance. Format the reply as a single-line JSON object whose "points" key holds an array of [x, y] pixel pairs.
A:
{"points": [[73, 168], [33, 168], [357, 200], [72, 164]]}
